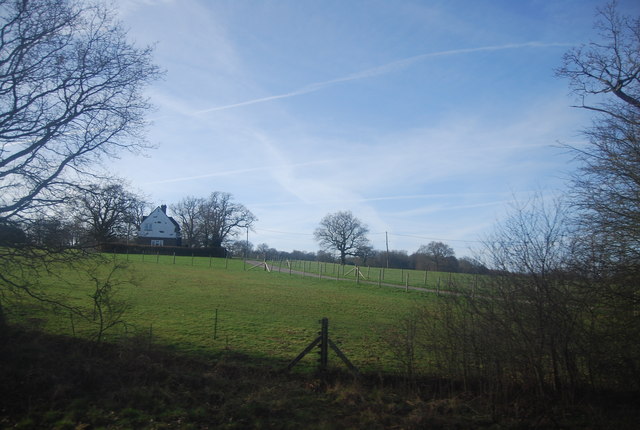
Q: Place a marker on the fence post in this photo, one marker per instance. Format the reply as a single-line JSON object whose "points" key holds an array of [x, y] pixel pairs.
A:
{"points": [[324, 344], [174, 257], [215, 326]]}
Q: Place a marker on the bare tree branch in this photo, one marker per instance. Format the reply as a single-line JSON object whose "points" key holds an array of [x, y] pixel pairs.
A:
{"points": [[342, 232]]}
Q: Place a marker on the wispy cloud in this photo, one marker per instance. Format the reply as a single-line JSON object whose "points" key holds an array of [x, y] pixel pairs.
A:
{"points": [[384, 69], [234, 172], [431, 196], [413, 197]]}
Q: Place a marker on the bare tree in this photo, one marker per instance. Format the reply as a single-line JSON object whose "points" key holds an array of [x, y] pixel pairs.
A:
{"points": [[52, 233], [605, 76], [262, 251], [187, 211], [107, 211], [438, 252], [222, 219], [212, 221], [342, 232], [108, 309], [11, 234], [559, 312], [608, 66], [140, 208], [240, 248], [70, 93], [528, 323]]}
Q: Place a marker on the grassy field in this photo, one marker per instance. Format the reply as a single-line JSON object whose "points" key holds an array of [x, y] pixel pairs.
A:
{"points": [[203, 305], [175, 368]]}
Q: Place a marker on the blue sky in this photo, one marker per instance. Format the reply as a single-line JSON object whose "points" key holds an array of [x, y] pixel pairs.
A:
{"points": [[423, 118]]}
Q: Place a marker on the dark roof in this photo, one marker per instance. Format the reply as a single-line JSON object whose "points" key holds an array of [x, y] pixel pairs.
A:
{"points": [[175, 223]]}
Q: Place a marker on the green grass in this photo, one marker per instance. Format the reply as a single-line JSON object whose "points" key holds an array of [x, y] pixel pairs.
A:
{"points": [[170, 372], [261, 314]]}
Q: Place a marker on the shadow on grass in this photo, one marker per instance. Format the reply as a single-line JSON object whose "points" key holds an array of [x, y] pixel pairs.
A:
{"points": [[60, 382]]}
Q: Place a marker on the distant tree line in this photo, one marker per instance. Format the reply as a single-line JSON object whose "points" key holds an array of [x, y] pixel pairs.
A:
{"points": [[427, 257], [93, 214], [108, 212]]}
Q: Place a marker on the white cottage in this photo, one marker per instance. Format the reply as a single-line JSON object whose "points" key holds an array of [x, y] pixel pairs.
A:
{"points": [[159, 229]]}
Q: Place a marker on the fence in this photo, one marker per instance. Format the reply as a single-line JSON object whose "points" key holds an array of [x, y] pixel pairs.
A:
{"points": [[407, 278], [181, 251]]}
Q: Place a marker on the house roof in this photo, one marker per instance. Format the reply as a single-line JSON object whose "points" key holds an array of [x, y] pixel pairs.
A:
{"points": [[163, 209]]}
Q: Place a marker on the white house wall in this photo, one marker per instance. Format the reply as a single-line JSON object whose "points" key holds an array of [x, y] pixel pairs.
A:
{"points": [[157, 225]]}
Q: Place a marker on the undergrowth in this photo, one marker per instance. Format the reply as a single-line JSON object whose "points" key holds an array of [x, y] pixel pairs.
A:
{"points": [[60, 382]]}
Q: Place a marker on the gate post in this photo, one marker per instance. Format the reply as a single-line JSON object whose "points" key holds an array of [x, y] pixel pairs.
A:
{"points": [[324, 344]]}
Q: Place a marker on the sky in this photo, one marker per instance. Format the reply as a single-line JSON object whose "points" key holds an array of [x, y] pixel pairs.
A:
{"points": [[425, 119]]}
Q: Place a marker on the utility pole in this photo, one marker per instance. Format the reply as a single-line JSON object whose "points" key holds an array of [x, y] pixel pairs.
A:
{"points": [[386, 238], [246, 251]]}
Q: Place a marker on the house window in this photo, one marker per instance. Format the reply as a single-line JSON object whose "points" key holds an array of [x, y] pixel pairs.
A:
{"points": [[148, 227], [157, 242]]}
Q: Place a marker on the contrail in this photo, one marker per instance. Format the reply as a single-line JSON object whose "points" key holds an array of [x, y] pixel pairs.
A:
{"points": [[383, 70], [236, 172]]}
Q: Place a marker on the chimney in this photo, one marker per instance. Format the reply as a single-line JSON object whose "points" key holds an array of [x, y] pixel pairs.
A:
{"points": [[163, 208]]}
